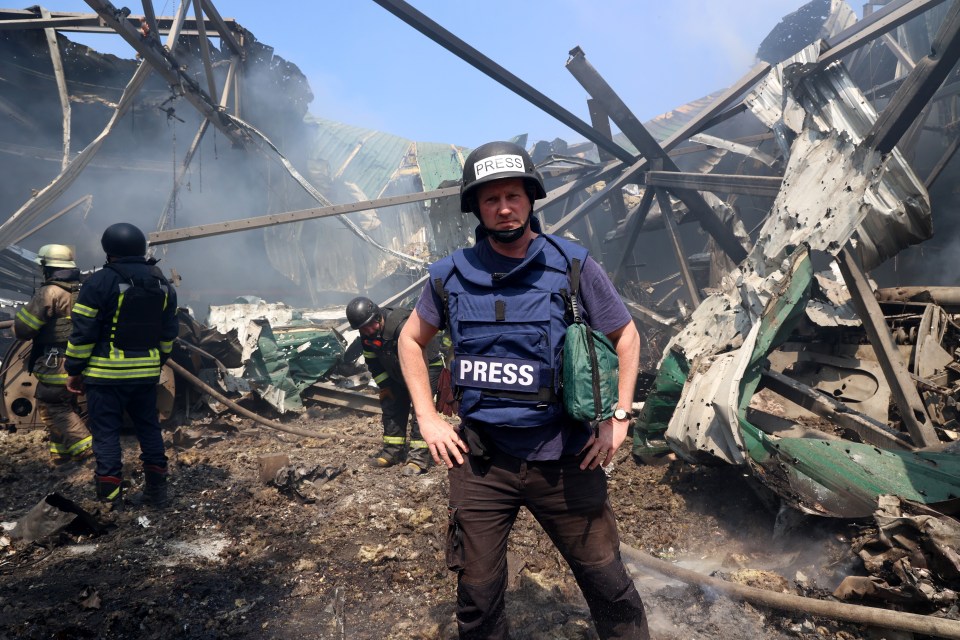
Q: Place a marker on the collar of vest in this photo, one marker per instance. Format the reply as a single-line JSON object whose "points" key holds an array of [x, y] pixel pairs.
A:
{"points": [[70, 286], [130, 260], [64, 277], [468, 264]]}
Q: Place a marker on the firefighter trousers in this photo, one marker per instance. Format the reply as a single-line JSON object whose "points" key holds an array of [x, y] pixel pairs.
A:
{"points": [[106, 404], [66, 430], [572, 507], [395, 403]]}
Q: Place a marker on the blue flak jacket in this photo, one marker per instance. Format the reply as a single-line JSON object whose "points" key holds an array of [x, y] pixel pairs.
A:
{"points": [[508, 331]]}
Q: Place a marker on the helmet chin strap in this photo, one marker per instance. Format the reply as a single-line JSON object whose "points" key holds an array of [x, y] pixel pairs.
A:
{"points": [[509, 236]]}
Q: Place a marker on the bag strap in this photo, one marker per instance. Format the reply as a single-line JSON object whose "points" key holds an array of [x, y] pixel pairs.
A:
{"points": [[575, 290], [591, 344], [444, 296]]}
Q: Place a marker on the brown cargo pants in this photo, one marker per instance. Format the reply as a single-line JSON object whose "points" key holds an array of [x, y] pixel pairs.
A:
{"points": [[572, 507]]}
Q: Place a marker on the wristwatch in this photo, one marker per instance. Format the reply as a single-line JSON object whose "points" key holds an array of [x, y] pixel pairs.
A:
{"points": [[622, 414]]}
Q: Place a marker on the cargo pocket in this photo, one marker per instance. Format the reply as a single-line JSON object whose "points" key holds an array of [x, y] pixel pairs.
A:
{"points": [[454, 541]]}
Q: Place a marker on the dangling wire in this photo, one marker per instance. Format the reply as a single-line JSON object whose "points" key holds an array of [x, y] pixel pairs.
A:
{"points": [[200, 166], [171, 116]]}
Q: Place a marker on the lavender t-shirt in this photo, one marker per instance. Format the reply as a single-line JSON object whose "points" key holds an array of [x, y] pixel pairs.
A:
{"points": [[602, 309]]}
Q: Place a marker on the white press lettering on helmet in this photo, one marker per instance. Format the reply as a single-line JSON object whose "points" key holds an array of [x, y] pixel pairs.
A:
{"points": [[498, 164]]}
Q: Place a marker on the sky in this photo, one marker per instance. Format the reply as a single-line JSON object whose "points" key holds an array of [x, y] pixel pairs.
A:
{"points": [[368, 68]]}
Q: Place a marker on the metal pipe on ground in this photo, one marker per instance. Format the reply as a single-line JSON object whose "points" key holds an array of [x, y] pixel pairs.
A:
{"points": [[869, 616]]}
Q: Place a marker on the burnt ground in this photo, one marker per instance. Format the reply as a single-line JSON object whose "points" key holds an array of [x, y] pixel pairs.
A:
{"points": [[338, 549]]}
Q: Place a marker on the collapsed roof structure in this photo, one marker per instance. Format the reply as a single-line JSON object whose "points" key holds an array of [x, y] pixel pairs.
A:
{"points": [[765, 341]]}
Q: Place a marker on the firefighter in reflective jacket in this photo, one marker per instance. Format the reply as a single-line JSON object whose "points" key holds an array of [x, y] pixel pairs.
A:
{"points": [[46, 321], [124, 325], [379, 329]]}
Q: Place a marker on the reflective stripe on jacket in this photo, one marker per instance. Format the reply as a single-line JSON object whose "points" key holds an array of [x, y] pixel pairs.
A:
{"points": [[380, 352], [46, 321], [98, 318]]}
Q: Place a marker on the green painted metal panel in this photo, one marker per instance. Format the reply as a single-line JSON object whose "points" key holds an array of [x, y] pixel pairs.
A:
{"points": [[781, 316], [659, 405], [291, 358], [439, 162], [855, 473], [834, 477]]}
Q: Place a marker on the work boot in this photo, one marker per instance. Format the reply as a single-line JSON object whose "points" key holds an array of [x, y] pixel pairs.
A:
{"points": [[110, 491], [418, 461], [83, 455], [154, 492], [58, 461], [413, 469], [388, 457]]}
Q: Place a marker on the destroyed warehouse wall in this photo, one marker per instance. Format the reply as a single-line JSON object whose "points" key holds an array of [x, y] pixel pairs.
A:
{"points": [[132, 176]]}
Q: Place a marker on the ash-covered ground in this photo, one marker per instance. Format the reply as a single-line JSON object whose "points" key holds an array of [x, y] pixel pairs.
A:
{"points": [[333, 548]]}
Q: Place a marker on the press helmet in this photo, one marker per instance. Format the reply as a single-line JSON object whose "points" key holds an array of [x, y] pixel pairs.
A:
{"points": [[361, 311], [56, 255], [493, 161], [123, 240]]}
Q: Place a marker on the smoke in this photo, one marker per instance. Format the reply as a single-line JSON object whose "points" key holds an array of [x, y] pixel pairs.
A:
{"points": [[132, 177]]}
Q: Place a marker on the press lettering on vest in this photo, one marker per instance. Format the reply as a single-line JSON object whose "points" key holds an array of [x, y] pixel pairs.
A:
{"points": [[498, 164], [509, 374]]}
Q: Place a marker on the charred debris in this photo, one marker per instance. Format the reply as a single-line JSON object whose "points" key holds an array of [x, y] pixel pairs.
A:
{"points": [[775, 240]]}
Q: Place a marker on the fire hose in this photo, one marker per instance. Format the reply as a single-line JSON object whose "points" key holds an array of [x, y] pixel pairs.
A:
{"points": [[869, 616], [205, 388]]}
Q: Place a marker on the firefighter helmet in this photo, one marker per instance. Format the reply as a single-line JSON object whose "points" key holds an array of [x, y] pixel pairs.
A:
{"points": [[493, 161], [361, 311], [56, 255], [123, 240]]}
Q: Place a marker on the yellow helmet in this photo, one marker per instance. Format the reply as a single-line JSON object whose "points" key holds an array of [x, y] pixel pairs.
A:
{"points": [[56, 255]]}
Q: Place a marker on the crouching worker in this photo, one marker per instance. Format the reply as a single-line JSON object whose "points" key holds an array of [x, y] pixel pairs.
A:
{"points": [[124, 325], [379, 330], [46, 321]]}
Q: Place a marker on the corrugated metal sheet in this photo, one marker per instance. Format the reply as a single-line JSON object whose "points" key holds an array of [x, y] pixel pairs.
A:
{"points": [[439, 162], [832, 185], [716, 395], [665, 125], [821, 476], [365, 157], [347, 164]]}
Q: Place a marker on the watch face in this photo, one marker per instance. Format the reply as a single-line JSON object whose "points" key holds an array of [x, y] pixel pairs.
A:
{"points": [[620, 414]]}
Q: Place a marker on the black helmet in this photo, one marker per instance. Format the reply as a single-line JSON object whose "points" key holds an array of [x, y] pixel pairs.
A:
{"points": [[123, 240], [493, 161], [362, 310]]}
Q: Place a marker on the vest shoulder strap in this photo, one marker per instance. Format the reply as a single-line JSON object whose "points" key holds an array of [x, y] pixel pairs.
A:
{"points": [[155, 272], [117, 269], [393, 321]]}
